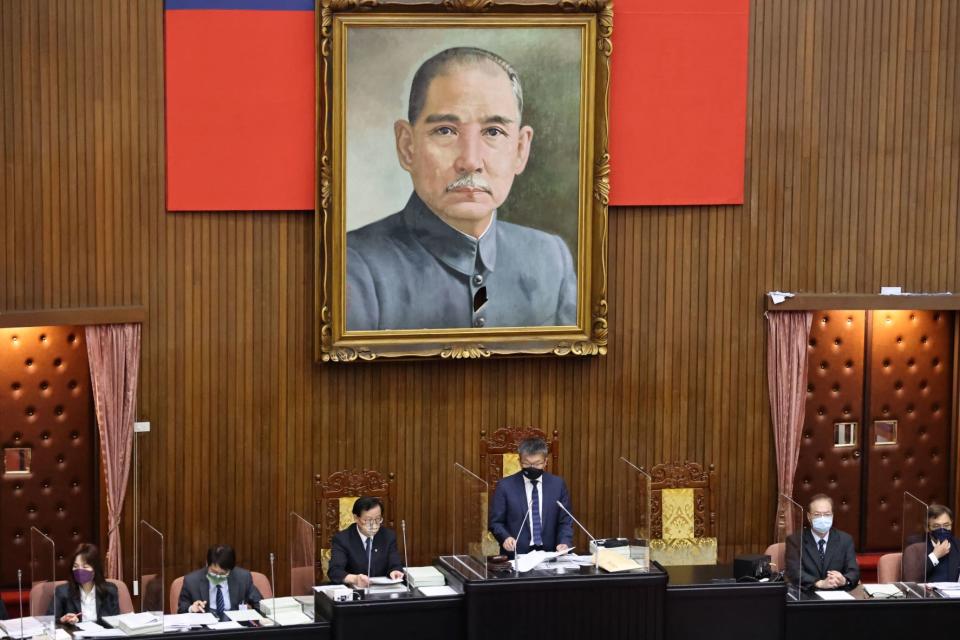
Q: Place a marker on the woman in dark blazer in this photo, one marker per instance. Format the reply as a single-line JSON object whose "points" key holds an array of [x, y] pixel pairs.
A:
{"points": [[87, 596]]}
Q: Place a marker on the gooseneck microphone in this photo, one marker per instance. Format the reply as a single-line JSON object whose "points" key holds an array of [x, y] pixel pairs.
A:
{"points": [[516, 538], [596, 561], [406, 560], [20, 591]]}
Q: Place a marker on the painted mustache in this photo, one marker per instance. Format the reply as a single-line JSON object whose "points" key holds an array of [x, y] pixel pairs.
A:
{"points": [[469, 181]]}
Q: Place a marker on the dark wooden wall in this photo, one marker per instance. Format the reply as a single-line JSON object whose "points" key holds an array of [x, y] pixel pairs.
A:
{"points": [[853, 176]]}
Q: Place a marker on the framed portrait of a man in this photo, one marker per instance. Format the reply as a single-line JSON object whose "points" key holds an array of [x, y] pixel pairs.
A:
{"points": [[462, 179]]}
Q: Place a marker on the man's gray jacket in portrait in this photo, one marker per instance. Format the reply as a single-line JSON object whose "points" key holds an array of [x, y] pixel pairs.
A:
{"points": [[412, 270]]}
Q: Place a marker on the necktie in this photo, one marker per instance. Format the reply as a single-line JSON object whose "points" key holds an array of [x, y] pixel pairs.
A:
{"points": [[536, 525], [822, 544], [220, 605]]}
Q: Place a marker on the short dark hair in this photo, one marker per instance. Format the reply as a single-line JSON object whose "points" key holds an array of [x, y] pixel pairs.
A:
{"points": [[365, 503], [820, 496], [437, 64], [532, 447], [934, 511], [223, 556]]}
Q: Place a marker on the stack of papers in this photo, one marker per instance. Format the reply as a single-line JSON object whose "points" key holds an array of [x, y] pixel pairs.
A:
{"points": [[31, 627], [179, 621], [244, 615], [946, 589], [274, 607], [432, 592], [527, 561], [139, 624], [883, 591], [834, 595], [615, 562], [425, 577]]}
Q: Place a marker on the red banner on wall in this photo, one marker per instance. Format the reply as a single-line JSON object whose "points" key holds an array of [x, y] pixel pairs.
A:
{"points": [[240, 98]]}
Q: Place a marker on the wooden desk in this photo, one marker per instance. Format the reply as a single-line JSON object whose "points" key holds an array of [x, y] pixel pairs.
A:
{"points": [[410, 615], [574, 603], [697, 607]]}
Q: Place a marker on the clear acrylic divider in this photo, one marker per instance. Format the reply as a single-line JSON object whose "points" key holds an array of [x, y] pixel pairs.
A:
{"points": [[152, 589], [789, 539], [913, 561], [470, 495], [43, 567], [633, 508], [303, 548]]}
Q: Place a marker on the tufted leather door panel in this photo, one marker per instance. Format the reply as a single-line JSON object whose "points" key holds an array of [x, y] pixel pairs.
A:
{"points": [[834, 394], [46, 406], [911, 382]]}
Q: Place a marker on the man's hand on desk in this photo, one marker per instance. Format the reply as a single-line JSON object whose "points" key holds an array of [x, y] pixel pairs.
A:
{"points": [[396, 575], [359, 581], [562, 548], [510, 544], [200, 606]]}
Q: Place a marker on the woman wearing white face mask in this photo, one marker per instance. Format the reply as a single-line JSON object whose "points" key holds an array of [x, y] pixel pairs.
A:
{"points": [[87, 596], [829, 560], [365, 549]]}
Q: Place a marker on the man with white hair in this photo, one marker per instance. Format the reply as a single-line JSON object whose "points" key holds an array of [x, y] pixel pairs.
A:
{"points": [[445, 260]]}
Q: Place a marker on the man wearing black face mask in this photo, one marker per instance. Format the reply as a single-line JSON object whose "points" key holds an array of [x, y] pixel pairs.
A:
{"points": [[533, 491], [943, 558]]}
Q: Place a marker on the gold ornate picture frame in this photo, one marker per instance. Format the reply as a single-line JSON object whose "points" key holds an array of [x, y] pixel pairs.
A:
{"points": [[463, 179]]}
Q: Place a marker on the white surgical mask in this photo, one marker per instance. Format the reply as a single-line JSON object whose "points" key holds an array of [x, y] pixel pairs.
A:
{"points": [[822, 524]]}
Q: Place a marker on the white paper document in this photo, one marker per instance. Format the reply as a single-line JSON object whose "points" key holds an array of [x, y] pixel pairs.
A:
{"points": [[230, 624], [950, 593], [527, 561], [437, 591], [88, 626], [244, 615], [381, 580], [138, 620], [944, 585], [100, 633], [187, 620], [834, 595], [883, 591], [31, 627]]}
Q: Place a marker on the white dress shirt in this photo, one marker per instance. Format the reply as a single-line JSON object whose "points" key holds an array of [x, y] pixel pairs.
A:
{"points": [[88, 605]]}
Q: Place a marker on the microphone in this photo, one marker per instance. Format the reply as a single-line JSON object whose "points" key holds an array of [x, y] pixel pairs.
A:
{"points": [[369, 563], [20, 591], [516, 538], [403, 527], [596, 562], [273, 588]]}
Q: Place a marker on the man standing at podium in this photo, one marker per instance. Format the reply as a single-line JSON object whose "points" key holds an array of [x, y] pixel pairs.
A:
{"points": [[829, 560], [525, 516]]}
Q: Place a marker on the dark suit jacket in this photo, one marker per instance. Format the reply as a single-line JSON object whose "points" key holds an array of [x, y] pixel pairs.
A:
{"points": [[239, 586], [949, 568], [840, 556], [510, 507], [108, 602], [348, 556]]}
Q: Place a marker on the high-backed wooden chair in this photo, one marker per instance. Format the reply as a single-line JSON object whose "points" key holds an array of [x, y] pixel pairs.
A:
{"points": [[682, 514], [498, 453], [499, 459], [334, 497]]}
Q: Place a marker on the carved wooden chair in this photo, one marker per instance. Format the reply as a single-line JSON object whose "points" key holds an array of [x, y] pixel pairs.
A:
{"points": [[682, 514], [334, 497], [499, 459]]}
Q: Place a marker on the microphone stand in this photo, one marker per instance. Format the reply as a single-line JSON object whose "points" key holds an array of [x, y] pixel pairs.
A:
{"points": [[516, 541], [274, 589], [406, 560], [596, 559], [20, 592]]}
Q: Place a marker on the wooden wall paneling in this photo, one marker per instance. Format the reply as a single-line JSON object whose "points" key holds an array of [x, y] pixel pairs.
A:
{"points": [[852, 172]]}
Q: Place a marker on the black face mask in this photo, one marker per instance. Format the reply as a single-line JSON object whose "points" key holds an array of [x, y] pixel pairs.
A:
{"points": [[940, 534], [532, 473]]}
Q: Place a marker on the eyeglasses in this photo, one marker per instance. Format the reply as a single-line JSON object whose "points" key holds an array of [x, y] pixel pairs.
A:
{"points": [[942, 527], [370, 521], [821, 514]]}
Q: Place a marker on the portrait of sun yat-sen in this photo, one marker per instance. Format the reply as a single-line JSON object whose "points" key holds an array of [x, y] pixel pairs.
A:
{"points": [[461, 195]]}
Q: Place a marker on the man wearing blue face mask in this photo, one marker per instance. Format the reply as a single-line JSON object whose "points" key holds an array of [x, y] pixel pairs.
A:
{"points": [[829, 560], [218, 587], [943, 559], [525, 515]]}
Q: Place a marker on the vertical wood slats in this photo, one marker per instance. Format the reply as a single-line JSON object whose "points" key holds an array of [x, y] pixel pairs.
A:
{"points": [[853, 180]]}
